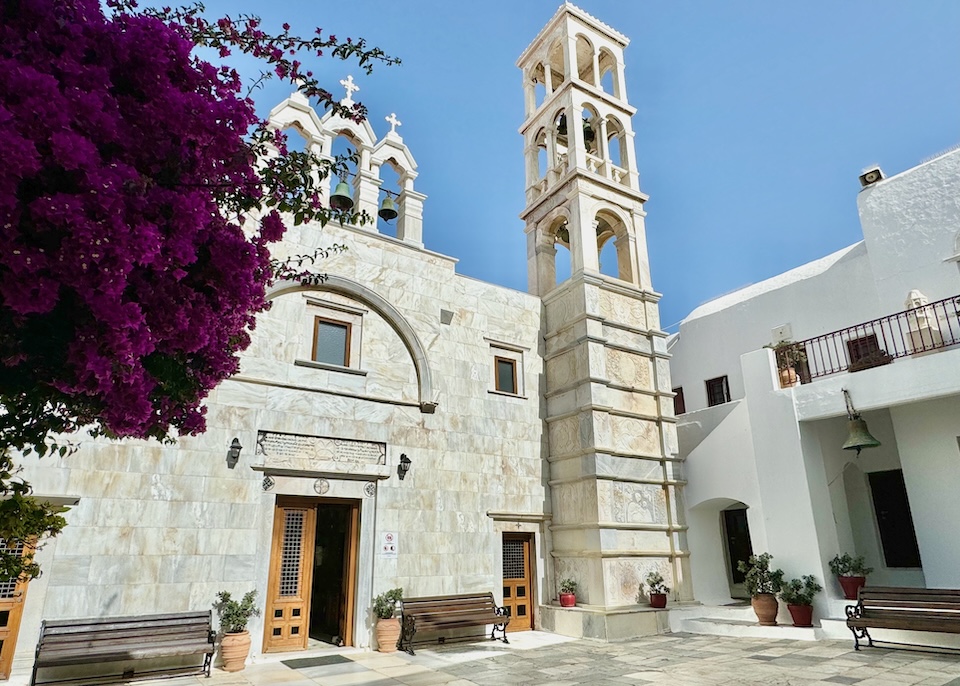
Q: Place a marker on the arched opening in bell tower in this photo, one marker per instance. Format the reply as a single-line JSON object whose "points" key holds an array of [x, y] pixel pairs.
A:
{"points": [[616, 143], [543, 165], [345, 145], [561, 139], [562, 259], [556, 66], [539, 86], [608, 73], [297, 139], [613, 246], [390, 180], [591, 129], [585, 54]]}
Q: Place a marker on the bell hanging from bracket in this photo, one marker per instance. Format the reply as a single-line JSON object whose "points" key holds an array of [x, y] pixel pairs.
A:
{"points": [[388, 209], [562, 125], [858, 437], [588, 134], [341, 198]]}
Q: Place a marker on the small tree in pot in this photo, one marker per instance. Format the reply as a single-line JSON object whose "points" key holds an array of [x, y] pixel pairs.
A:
{"points": [[233, 616], [851, 572], [798, 595], [658, 590], [388, 626], [568, 593], [762, 584]]}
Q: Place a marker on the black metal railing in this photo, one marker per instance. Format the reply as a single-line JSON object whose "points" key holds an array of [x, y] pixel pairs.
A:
{"points": [[920, 329]]}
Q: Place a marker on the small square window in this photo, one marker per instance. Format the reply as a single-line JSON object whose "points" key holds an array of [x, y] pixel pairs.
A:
{"points": [[506, 371], [679, 406], [331, 342], [718, 391]]}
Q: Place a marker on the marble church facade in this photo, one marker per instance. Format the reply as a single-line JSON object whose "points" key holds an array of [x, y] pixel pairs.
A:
{"points": [[537, 427]]}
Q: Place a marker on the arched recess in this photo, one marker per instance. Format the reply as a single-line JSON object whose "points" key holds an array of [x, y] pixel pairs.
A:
{"points": [[585, 54], [718, 536], [556, 66], [612, 230], [609, 79], [390, 314]]}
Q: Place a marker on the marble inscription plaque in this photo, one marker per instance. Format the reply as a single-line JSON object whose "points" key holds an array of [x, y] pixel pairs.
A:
{"points": [[299, 450]]}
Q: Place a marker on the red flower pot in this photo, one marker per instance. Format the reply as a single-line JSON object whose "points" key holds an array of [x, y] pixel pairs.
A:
{"points": [[658, 600], [851, 585], [568, 599], [802, 614]]}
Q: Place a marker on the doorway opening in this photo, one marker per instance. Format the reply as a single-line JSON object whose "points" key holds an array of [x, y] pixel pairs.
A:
{"points": [[518, 581], [313, 573], [736, 536]]}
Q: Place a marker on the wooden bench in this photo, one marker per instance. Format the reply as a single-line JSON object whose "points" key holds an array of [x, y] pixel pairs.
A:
{"points": [[71, 642], [908, 609], [438, 613]]}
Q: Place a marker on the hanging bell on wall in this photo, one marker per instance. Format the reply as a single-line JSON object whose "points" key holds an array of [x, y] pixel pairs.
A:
{"points": [[588, 134], [341, 198], [388, 209], [859, 437], [562, 125]]}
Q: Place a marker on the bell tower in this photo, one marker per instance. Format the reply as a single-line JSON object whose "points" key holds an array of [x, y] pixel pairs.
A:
{"points": [[616, 481]]}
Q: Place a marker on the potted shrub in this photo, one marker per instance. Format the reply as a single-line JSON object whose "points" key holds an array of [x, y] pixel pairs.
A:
{"points": [[762, 584], [388, 626], [233, 616], [789, 357], [851, 572], [798, 595], [657, 592], [568, 593]]}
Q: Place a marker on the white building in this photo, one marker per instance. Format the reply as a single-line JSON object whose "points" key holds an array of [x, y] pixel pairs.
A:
{"points": [[766, 471], [538, 428]]}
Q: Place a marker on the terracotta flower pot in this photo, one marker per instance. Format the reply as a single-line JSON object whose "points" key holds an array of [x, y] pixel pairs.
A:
{"points": [[788, 377], [234, 649], [851, 585], [568, 599], [658, 600], [388, 633], [766, 607], [802, 614]]}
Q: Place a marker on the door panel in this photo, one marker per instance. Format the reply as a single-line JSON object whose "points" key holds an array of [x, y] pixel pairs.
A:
{"points": [[738, 548], [291, 576], [12, 595], [517, 581]]}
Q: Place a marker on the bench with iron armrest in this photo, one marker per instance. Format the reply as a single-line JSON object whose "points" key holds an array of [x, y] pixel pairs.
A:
{"points": [[438, 613], [907, 609], [105, 640]]}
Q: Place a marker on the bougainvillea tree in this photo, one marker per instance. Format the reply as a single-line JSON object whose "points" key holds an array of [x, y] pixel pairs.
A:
{"points": [[139, 192]]}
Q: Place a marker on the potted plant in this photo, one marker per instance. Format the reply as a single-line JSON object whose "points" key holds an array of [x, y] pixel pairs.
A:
{"points": [[233, 616], [851, 572], [388, 626], [762, 584], [568, 593], [798, 595], [657, 592], [789, 356]]}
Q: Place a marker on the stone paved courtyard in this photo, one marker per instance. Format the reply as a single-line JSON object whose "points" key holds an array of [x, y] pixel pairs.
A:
{"points": [[549, 660]]}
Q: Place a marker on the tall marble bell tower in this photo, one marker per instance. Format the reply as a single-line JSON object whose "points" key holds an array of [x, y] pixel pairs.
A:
{"points": [[615, 478]]}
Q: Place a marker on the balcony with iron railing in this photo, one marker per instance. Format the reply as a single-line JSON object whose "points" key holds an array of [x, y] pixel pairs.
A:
{"points": [[923, 329]]}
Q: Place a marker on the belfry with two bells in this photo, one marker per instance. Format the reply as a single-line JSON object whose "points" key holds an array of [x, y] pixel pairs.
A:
{"points": [[615, 479]]}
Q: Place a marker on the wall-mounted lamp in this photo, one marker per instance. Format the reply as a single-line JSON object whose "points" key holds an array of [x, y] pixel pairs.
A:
{"points": [[233, 454], [404, 466], [858, 438]]}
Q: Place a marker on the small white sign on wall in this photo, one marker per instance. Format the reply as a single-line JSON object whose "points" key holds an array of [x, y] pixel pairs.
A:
{"points": [[388, 544]]}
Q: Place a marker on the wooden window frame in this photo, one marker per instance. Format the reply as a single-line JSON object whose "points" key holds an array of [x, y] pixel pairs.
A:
{"points": [[679, 405], [496, 374], [317, 320], [724, 386]]}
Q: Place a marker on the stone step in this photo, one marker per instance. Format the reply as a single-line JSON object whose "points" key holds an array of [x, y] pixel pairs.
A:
{"points": [[744, 628], [738, 611]]}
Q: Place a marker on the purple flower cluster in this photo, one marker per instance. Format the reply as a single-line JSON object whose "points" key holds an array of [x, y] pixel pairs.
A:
{"points": [[125, 289]]}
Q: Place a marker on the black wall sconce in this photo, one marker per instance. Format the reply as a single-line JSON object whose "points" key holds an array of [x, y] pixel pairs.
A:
{"points": [[233, 454], [404, 466]]}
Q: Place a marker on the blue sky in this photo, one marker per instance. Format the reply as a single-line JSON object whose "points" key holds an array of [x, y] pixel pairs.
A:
{"points": [[754, 120]]}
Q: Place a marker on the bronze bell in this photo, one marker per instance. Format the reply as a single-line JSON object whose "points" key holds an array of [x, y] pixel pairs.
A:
{"points": [[341, 199], [388, 209], [859, 437], [562, 125], [588, 134]]}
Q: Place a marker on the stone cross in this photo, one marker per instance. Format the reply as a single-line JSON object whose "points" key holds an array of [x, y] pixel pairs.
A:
{"points": [[393, 121], [351, 89]]}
